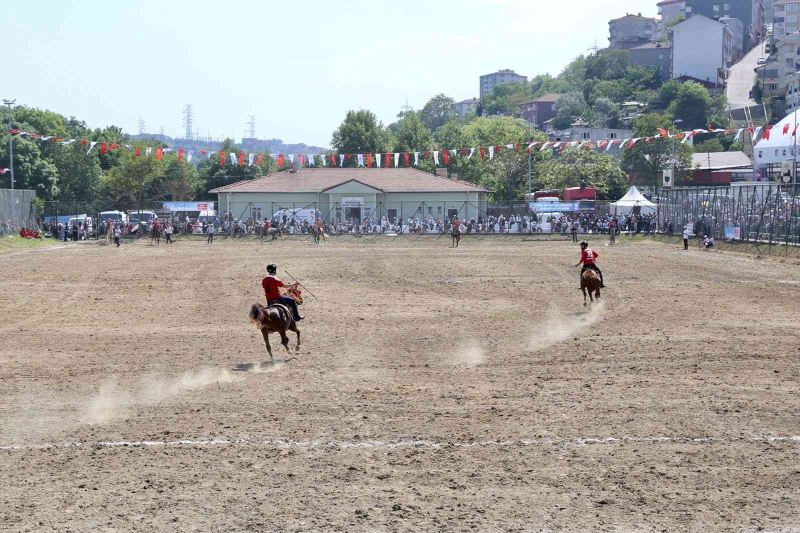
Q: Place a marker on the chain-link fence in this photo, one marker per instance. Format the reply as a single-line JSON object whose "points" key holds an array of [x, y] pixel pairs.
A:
{"points": [[752, 213], [16, 210]]}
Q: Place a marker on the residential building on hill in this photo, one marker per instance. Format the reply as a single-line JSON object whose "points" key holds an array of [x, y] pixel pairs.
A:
{"points": [[785, 18], [465, 107], [737, 44], [631, 30], [702, 48], [788, 58], [669, 11], [539, 110], [749, 12], [656, 55], [501, 77]]}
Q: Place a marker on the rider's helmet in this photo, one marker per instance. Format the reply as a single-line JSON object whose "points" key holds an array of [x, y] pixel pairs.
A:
{"points": [[272, 269], [584, 244]]}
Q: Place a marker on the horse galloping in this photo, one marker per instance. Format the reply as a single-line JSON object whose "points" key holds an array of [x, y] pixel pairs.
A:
{"points": [[590, 283], [456, 235], [276, 318]]}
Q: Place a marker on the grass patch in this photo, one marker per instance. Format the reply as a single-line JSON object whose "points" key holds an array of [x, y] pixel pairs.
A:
{"points": [[11, 243]]}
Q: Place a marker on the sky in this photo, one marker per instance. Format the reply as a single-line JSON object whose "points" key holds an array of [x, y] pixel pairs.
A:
{"points": [[296, 67]]}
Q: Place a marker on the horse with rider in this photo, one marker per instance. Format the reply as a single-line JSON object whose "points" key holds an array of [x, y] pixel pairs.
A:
{"points": [[281, 313]]}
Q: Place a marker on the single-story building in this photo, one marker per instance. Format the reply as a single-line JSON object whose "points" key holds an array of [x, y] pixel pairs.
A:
{"points": [[342, 194], [719, 168]]}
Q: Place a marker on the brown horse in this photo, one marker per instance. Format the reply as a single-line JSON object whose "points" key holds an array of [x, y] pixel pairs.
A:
{"points": [[278, 319], [455, 233], [155, 235], [590, 282]]}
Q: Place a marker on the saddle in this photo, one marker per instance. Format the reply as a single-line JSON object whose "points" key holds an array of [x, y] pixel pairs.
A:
{"points": [[283, 310]]}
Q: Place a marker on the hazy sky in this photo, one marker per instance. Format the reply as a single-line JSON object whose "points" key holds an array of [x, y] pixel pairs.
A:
{"points": [[296, 66]]}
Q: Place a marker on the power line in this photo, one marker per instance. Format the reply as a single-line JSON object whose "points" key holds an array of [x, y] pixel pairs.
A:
{"points": [[188, 121]]}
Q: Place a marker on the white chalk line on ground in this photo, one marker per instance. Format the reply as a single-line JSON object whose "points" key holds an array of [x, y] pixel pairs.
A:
{"points": [[290, 444]]}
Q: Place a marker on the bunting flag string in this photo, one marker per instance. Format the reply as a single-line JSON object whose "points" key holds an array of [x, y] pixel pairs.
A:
{"points": [[398, 159]]}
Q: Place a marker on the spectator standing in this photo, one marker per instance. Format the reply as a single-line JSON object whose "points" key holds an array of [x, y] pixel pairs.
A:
{"points": [[168, 232], [686, 237], [210, 239], [117, 235], [574, 230], [612, 231]]}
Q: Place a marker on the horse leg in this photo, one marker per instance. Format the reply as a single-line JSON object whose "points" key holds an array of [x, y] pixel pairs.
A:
{"points": [[294, 328], [583, 289], [285, 341], [266, 341]]}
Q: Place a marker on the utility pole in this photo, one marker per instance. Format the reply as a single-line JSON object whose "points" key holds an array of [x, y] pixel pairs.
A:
{"points": [[9, 103]]}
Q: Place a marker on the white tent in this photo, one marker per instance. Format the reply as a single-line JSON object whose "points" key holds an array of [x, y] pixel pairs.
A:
{"points": [[633, 198], [778, 148]]}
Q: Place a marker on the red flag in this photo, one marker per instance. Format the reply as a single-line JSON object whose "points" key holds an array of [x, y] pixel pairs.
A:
{"points": [[446, 157], [241, 159], [785, 129], [498, 149], [387, 160], [159, 153], [203, 152], [710, 126], [483, 152], [662, 132], [332, 159], [136, 152], [280, 160], [222, 159], [302, 160], [516, 147], [84, 142], [766, 132], [259, 159], [751, 129], [180, 155], [602, 144], [369, 160], [103, 148]]}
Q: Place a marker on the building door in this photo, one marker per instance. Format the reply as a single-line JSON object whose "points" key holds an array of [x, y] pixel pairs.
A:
{"points": [[392, 214], [352, 213], [452, 213]]}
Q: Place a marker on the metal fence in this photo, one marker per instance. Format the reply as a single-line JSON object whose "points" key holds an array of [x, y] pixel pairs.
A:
{"points": [[768, 214], [16, 210]]}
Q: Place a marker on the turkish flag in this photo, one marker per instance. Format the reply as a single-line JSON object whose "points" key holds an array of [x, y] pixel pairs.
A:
{"points": [[785, 129], [280, 160], [103, 148], [766, 132], [387, 161], [446, 157], [483, 153], [222, 159], [406, 158], [302, 160], [332, 159], [241, 159], [159, 153], [259, 159], [369, 160], [136, 152]]}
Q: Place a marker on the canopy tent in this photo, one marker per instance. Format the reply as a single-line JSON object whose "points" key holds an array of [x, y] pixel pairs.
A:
{"points": [[632, 199], [778, 148]]}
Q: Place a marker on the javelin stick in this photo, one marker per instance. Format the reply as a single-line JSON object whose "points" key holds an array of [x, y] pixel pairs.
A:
{"points": [[300, 284]]}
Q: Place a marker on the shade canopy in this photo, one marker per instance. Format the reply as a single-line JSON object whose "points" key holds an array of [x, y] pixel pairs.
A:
{"points": [[778, 148], [632, 199]]}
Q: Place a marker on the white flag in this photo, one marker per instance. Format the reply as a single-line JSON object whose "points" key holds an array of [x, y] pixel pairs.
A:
{"points": [[378, 160], [436, 158], [396, 160], [341, 160], [360, 159], [148, 150], [47, 137], [69, 141], [311, 162], [510, 146], [234, 162], [416, 158], [738, 134], [491, 152], [324, 160], [471, 153], [756, 132], [250, 159], [291, 158], [189, 156], [610, 144], [91, 146], [545, 146]]}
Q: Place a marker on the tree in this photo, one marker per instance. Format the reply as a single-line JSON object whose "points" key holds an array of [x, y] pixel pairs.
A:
{"points": [[605, 114], [576, 167], [506, 99], [574, 74], [437, 111], [711, 145], [79, 175], [607, 64], [646, 161], [134, 180], [180, 181], [692, 105], [213, 175], [360, 133], [569, 107], [411, 134]]}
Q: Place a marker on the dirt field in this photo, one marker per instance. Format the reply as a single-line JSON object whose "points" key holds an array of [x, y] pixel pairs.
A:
{"points": [[436, 389]]}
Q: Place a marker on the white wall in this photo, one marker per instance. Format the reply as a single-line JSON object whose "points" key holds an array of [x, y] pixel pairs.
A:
{"points": [[698, 49]]}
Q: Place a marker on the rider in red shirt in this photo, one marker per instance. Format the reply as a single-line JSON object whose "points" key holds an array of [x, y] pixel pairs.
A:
{"points": [[588, 258], [271, 286]]}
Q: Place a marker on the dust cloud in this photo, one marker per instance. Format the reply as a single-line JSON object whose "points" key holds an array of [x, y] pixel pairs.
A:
{"points": [[560, 328], [113, 402], [470, 354]]}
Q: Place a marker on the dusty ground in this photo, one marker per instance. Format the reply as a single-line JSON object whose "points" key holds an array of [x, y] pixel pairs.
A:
{"points": [[436, 389]]}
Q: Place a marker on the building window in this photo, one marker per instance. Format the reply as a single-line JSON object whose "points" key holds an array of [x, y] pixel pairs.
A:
{"points": [[716, 8], [586, 135], [612, 135], [791, 8], [727, 7]]}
